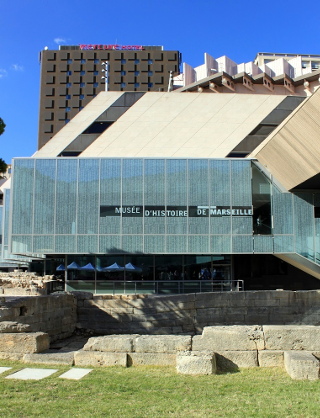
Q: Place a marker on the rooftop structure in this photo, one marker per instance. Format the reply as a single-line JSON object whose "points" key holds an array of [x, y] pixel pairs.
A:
{"points": [[285, 74]]}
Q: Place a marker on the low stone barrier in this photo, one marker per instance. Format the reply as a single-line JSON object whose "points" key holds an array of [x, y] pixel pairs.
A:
{"points": [[218, 348]]}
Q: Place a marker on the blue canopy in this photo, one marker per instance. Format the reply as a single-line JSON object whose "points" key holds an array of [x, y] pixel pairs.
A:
{"points": [[113, 267], [73, 266], [131, 267], [61, 267], [88, 267]]}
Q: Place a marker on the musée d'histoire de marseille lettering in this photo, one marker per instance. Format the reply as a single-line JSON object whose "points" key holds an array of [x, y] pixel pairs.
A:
{"points": [[209, 184]]}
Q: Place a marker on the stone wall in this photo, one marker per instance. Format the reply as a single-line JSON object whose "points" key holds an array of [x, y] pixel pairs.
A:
{"points": [[20, 283], [54, 314], [190, 313]]}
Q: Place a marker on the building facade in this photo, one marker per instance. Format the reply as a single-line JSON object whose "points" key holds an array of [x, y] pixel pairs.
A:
{"points": [[72, 76]]}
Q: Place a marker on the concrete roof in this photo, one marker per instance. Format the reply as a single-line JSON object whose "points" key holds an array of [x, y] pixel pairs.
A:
{"points": [[182, 125], [78, 124], [292, 151]]}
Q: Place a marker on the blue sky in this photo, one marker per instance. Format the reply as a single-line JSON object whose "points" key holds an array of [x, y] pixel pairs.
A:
{"points": [[226, 27]]}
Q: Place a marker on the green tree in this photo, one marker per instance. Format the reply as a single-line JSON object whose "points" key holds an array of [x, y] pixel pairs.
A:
{"points": [[2, 126], [3, 165]]}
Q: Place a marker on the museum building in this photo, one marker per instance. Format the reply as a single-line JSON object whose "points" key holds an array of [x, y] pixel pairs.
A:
{"points": [[209, 186], [155, 203]]}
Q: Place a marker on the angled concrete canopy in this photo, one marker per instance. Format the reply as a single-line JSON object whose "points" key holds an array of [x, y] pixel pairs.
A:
{"points": [[183, 125], [292, 152]]}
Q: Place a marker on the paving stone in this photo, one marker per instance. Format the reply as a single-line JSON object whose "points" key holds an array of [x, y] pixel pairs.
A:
{"points": [[4, 369], [75, 374], [31, 374]]}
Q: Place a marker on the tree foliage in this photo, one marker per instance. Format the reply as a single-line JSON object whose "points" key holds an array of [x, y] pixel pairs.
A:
{"points": [[2, 126], [3, 166]]}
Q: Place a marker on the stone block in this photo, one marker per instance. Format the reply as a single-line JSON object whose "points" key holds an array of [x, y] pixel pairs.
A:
{"points": [[12, 327], [151, 359], [162, 343], [233, 338], [270, 358], [301, 365], [111, 343], [11, 356], [228, 361], [193, 362], [97, 358], [50, 358], [292, 337], [33, 342], [82, 295]]}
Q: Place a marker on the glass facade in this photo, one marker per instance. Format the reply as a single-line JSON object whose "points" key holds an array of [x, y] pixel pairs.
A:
{"points": [[115, 207]]}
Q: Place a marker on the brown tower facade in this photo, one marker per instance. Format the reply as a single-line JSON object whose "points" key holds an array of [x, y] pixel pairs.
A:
{"points": [[72, 76]]}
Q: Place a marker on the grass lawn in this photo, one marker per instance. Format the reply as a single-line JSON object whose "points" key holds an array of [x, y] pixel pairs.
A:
{"points": [[159, 392]]}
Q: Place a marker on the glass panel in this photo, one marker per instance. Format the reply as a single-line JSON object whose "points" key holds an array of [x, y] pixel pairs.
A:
{"points": [[220, 182], [44, 196], [241, 225], [109, 244], [6, 216], [43, 244], [241, 176], [242, 244], [154, 244], [23, 183], [176, 181], [282, 206], [132, 182], [283, 243], [168, 267], [21, 244], [88, 196], [263, 244], [132, 244], [65, 243], [220, 225], [87, 243], [198, 244], [176, 244], [304, 227], [220, 244], [317, 240], [261, 201], [66, 196]]}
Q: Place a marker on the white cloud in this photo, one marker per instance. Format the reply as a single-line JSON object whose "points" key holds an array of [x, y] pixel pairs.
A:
{"points": [[3, 73], [60, 41], [17, 67]]}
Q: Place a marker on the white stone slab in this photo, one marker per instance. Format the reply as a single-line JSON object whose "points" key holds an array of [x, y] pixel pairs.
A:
{"points": [[75, 374], [31, 374], [4, 369]]}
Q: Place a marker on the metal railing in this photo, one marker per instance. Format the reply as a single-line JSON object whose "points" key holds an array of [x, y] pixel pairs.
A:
{"points": [[166, 287]]}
